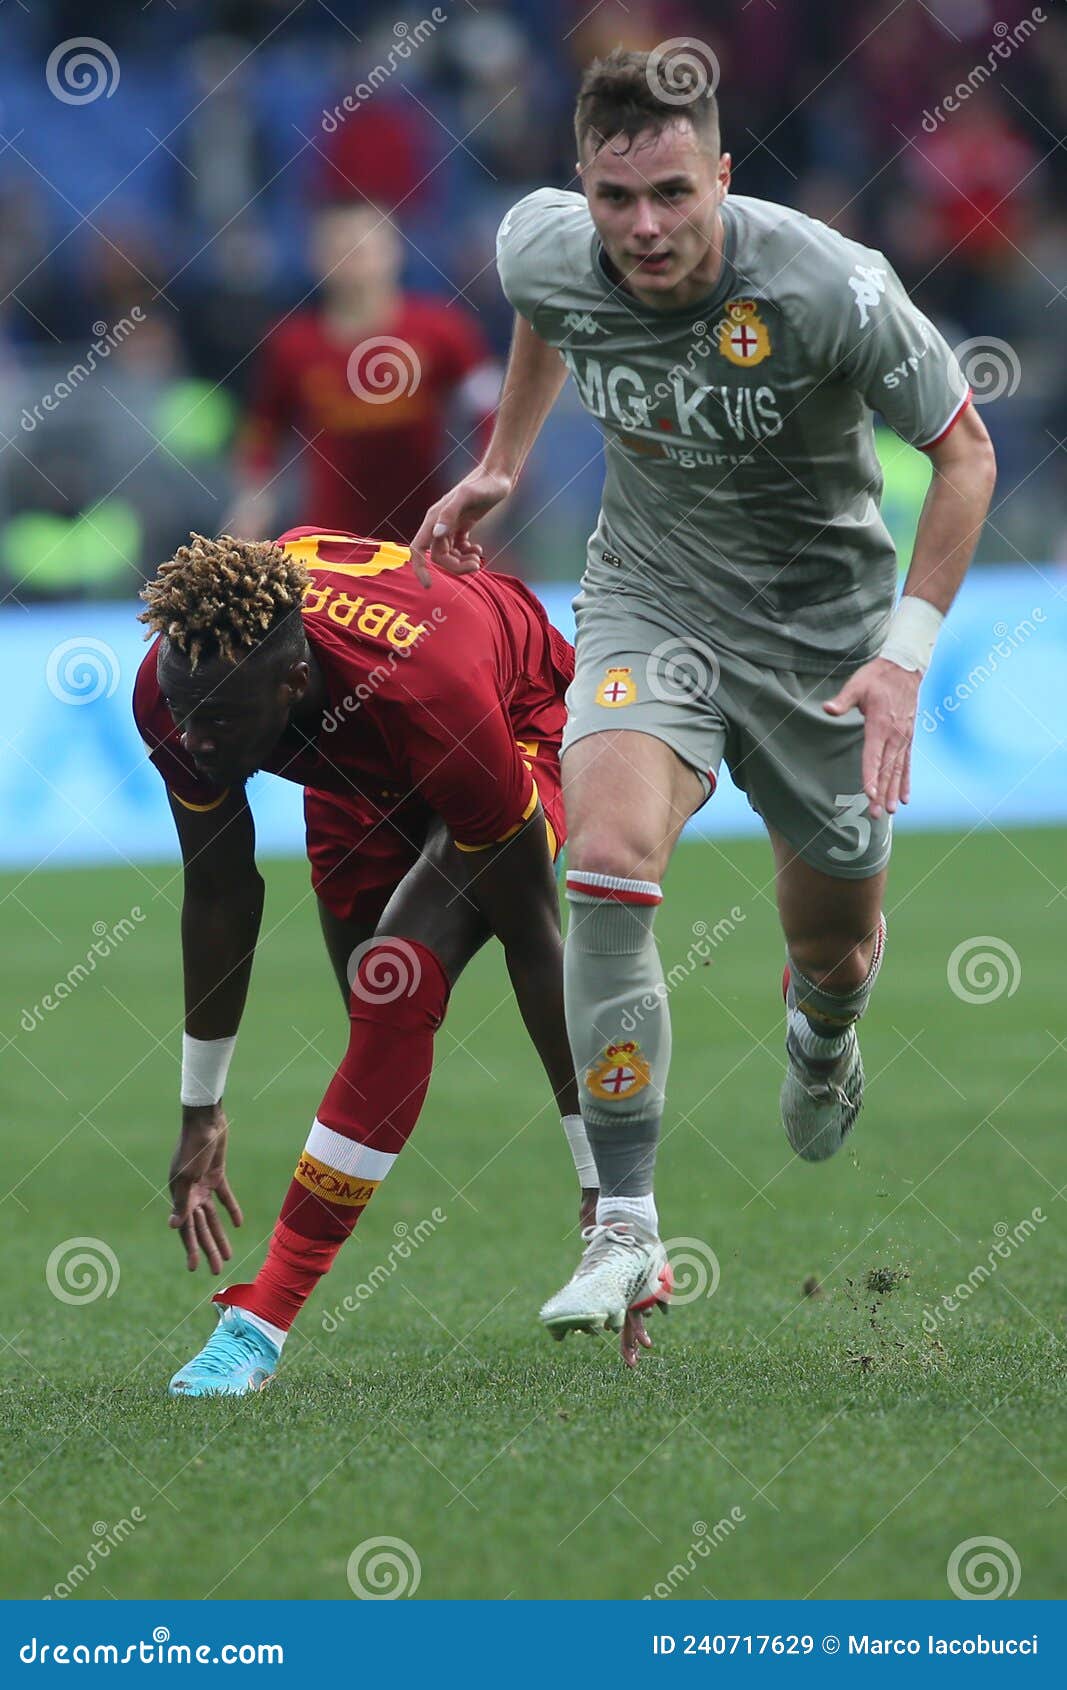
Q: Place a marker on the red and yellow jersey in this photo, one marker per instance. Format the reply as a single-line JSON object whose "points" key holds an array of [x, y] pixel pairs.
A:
{"points": [[375, 409], [429, 691]]}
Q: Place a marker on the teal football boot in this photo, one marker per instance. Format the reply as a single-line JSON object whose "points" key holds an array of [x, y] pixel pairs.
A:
{"points": [[236, 1359]]}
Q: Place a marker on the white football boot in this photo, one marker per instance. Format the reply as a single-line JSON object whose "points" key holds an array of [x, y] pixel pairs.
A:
{"points": [[623, 1267]]}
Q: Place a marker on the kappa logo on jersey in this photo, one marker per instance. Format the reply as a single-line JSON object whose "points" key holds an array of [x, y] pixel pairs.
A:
{"points": [[868, 284], [616, 689], [620, 1071], [743, 337], [580, 322]]}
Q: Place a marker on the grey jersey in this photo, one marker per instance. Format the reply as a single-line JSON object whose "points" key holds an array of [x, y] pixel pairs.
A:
{"points": [[742, 485]]}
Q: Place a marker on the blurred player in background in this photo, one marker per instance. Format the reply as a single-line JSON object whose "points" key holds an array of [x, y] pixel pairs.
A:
{"points": [[425, 729], [738, 595], [359, 387]]}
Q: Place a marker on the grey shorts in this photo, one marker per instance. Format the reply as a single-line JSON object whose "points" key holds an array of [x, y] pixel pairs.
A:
{"points": [[799, 768]]}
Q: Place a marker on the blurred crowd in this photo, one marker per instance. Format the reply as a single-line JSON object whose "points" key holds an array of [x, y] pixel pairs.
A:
{"points": [[158, 222]]}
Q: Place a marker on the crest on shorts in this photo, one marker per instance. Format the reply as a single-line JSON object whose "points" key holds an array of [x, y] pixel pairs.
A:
{"points": [[617, 688], [618, 1072], [743, 337]]}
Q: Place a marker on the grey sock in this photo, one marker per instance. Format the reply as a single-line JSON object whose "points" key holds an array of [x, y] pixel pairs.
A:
{"points": [[618, 1025]]}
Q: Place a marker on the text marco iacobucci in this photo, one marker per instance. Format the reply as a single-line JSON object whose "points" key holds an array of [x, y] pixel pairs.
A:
{"points": [[977, 1645]]}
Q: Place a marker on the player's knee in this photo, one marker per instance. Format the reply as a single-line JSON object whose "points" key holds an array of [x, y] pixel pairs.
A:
{"points": [[594, 849], [835, 963]]}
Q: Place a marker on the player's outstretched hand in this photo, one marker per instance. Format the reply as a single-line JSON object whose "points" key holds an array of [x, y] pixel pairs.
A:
{"points": [[445, 531], [887, 696], [634, 1339], [197, 1177]]}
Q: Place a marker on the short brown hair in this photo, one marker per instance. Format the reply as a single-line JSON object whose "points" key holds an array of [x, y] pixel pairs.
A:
{"points": [[619, 96]]}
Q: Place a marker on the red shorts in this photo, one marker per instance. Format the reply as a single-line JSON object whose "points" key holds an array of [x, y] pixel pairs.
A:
{"points": [[359, 856]]}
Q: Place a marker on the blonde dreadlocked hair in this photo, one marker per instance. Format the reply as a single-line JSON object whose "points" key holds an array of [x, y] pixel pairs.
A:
{"points": [[219, 598]]}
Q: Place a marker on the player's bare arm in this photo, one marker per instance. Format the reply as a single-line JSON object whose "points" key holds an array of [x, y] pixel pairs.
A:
{"points": [[887, 692], [221, 912], [532, 384]]}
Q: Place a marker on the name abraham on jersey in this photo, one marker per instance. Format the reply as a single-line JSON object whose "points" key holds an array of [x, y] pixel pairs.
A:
{"points": [[678, 414], [377, 619]]}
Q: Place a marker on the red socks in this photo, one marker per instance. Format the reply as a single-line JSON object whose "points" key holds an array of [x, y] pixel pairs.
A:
{"points": [[366, 1117]]}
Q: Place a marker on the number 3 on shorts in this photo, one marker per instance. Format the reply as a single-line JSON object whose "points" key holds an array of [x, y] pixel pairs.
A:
{"points": [[853, 817]]}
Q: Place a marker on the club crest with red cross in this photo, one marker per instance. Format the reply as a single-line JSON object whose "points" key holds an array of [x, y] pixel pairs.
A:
{"points": [[616, 689], [743, 337], [618, 1072]]}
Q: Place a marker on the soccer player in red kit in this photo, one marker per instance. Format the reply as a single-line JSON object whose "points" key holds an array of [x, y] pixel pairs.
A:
{"points": [[425, 728], [363, 382]]}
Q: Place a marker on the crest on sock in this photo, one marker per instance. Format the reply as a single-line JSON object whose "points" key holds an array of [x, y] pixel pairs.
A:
{"points": [[619, 1071]]}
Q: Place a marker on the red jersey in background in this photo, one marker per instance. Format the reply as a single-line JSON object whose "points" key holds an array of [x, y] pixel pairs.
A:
{"points": [[372, 412]]}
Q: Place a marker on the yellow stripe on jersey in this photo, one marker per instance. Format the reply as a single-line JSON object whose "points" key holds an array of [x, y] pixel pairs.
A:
{"points": [[388, 556], [215, 802], [512, 831]]}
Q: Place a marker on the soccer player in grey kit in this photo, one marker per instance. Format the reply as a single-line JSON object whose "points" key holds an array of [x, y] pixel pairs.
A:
{"points": [[738, 599]]}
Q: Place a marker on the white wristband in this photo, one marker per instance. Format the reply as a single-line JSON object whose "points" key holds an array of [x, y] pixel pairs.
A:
{"points": [[584, 1165], [913, 631], [205, 1064]]}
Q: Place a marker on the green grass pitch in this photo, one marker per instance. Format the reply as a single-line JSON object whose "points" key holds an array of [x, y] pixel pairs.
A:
{"points": [[827, 1443]]}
